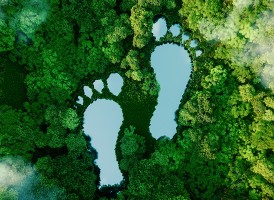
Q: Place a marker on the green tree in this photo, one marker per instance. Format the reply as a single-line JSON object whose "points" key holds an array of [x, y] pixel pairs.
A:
{"points": [[141, 22], [132, 149], [198, 109], [7, 37], [216, 79], [17, 133], [158, 174]]}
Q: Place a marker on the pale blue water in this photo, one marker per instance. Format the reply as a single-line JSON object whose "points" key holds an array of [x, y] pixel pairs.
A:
{"points": [[172, 72], [159, 28], [102, 121], [175, 29], [98, 85], [104, 117], [88, 91], [193, 44], [172, 66], [80, 100], [115, 83], [198, 53], [185, 37]]}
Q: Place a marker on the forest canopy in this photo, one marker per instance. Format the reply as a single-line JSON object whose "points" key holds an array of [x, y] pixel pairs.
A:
{"points": [[224, 144]]}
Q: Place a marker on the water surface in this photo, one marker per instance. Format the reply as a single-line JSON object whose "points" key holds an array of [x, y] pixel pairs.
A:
{"points": [[175, 29], [88, 91], [98, 85], [103, 119], [172, 66], [115, 83], [159, 28]]}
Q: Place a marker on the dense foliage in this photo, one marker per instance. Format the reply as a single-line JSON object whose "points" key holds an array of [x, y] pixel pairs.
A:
{"points": [[224, 145]]}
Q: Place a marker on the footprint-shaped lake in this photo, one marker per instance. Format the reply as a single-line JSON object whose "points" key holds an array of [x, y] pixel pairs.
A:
{"points": [[172, 66], [103, 119]]}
